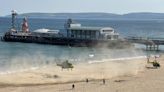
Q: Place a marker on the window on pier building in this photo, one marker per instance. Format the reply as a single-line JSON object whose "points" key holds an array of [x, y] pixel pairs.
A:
{"points": [[77, 34], [93, 34], [83, 34], [88, 36], [109, 37], [72, 33], [115, 36]]}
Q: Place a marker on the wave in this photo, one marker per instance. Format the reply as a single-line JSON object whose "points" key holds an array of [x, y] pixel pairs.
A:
{"points": [[116, 59], [22, 70]]}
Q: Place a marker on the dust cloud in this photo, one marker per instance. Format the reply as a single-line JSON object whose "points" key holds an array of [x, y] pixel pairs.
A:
{"points": [[42, 69]]}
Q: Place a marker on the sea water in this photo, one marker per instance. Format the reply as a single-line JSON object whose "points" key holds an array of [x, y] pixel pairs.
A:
{"points": [[16, 56]]}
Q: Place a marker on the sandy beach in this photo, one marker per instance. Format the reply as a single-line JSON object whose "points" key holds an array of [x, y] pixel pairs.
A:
{"points": [[120, 76]]}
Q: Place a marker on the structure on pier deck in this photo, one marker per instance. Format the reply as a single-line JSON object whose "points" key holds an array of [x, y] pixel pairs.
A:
{"points": [[150, 43]]}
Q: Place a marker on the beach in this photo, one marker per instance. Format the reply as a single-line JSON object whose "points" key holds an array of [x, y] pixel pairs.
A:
{"points": [[120, 76]]}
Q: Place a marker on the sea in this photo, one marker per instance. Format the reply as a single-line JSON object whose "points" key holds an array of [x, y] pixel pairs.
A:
{"points": [[15, 56]]}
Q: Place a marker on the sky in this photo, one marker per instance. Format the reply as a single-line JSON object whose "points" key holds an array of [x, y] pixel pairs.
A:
{"points": [[74, 6]]}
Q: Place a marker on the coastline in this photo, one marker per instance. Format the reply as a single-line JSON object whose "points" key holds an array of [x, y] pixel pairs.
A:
{"points": [[142, 80]]}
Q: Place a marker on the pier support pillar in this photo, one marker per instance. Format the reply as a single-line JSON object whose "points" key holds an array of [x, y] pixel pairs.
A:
{"points": [[157, 47], [152, 47], [147, 47]]}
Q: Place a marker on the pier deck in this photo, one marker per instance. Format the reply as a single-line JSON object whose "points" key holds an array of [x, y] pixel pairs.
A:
{"points": [[150, 43]]}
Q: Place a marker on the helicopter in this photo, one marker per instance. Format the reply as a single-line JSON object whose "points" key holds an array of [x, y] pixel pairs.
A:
{"points": [[155, 63], [65, 65]]}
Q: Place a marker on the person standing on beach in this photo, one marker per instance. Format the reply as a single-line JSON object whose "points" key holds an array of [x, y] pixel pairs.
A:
{"points": [[73, 86], [87, 80], [103, 81]]}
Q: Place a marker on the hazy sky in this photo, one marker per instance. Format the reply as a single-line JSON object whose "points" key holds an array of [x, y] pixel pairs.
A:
{"points": [[54, 6]]}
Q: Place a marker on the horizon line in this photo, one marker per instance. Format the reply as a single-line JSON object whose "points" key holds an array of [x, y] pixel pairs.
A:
{"points": [[85, 12]]}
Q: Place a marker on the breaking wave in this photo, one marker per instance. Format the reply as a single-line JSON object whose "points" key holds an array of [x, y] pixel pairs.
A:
{"points": [[116, 59]]}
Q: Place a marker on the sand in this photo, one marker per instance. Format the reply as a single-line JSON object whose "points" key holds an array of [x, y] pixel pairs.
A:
{"points": [[120, 76]]}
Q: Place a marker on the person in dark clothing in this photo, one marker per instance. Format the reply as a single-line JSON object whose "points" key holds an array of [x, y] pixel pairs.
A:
{"points": [[73, 86], [87, 80], [103, 81]]}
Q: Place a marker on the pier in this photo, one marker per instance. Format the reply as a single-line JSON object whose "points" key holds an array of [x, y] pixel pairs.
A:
{"points": [[152, 44]]}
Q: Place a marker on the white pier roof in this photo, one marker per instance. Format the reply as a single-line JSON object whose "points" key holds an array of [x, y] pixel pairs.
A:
{"points": [[43, 30], [91, 28]]}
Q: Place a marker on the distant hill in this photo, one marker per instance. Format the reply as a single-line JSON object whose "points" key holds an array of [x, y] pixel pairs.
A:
{"points": [[142, 15]]}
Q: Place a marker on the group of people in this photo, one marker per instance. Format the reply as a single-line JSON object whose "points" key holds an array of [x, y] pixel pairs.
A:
{"points": [[73, 85]]}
